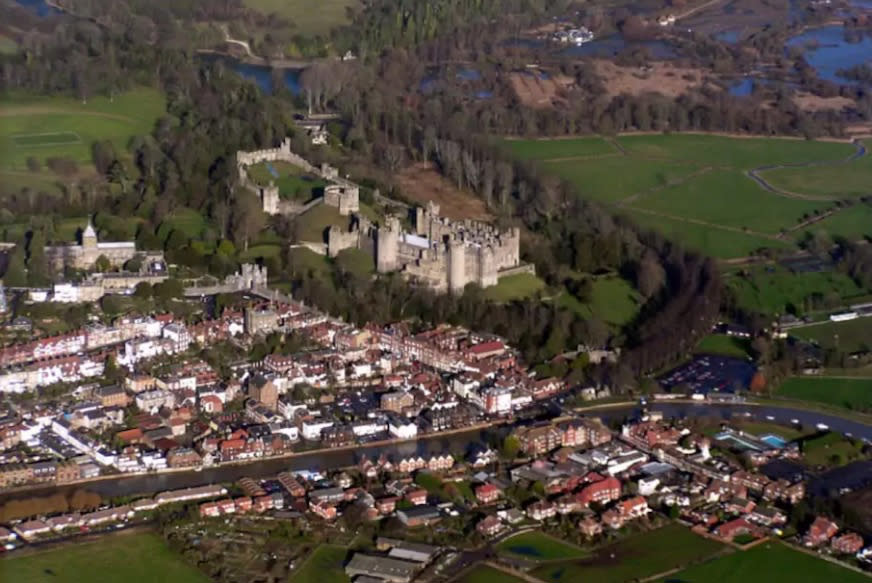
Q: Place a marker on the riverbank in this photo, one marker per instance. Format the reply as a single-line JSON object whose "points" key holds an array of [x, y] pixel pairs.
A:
{"points": [[260, 61]]}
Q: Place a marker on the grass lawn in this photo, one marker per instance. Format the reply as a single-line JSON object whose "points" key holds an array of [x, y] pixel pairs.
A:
{"points": [[636, 557], [133, 558], [260, 251], [515, 287], [303, 259], [539, 546], [562, 148], [771, 562], [853, 335], [729, 198], [718, 243], [291, 181], [852, 179], [725, 345], [830, 449], [611, 180], [778, 290], [307, 20], [324, 565], [186, 220], [849, 393], [743, 153], [315, 221], [613, 300], [43, 127], [486, 574], [356, 261]]}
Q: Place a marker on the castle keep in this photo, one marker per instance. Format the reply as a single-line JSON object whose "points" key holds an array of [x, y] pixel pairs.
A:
{"points": [[443, 254]]}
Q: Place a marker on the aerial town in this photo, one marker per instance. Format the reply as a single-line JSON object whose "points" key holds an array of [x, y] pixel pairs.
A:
{"points": [[435, 291]]}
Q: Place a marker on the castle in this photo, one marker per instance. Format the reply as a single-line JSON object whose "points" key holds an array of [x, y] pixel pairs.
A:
{"points": [[85, 255], [443, 254], [340, 193]]}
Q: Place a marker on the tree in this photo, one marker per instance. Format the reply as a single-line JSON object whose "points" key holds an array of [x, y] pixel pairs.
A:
{"points": [[33, 164], [168, 289], [102, 264], [511, 447], [248, 217], [650, 275], [143, 290]]}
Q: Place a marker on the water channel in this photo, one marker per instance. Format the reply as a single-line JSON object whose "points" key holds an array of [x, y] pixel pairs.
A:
{"points": [[458, 443]]}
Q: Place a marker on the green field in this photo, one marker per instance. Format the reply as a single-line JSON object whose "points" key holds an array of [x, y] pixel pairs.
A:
{"points": [[830, 449], [636, 557], [538, 546], [132, 558], [561, 148], [694, 188], [741, 153], [486, 574], [852, 179], [306, 19], [767, 563], [43, 127], [515, 287], [725, 345], [613, 300], [324, 565], [612, 180], [850, 336], [853, 394], [292, 182], [775, 290]]}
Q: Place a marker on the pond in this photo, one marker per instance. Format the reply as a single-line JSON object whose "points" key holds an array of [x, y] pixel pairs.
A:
{"points": [[261, 75], [612, 45], [827, 51], [40, 7]]}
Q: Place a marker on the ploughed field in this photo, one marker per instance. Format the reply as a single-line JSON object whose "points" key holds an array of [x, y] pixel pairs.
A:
{"points": [[701, 190]]}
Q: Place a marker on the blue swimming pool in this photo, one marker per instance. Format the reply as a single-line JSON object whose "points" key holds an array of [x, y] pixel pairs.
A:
{"points": [[774, 440]]}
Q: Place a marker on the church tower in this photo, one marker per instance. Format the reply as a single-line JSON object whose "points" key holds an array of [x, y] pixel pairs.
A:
{"points": [[89, 236]]}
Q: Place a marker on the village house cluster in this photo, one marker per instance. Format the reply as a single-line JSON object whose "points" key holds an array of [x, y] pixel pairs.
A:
{"points": [[350, 386]]}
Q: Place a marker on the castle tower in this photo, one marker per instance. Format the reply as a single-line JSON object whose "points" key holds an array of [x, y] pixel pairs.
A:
{"points": [[387, 245], [269, 198], [456, 266], [89, 236], [487, 267]]}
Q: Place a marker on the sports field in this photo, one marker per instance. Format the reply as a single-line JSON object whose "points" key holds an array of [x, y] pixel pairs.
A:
{"points": [[636, 557], [132, 558], [308, 19], [696, 188], [850, 336], [44, 127], [853, 394], [324, 565], [767, 563], [537, 546]]}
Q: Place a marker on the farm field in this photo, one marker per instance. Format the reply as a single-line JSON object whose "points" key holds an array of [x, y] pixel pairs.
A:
{"points": [[852, 179], [306, 21], [43, 127], [134, 558], [324, 565], [724, 345], [486, 574], [774, 290], [515, 287], [848, 393], [538, 546], [695, 188], [851, 336], [767, 563], [636, 557]]}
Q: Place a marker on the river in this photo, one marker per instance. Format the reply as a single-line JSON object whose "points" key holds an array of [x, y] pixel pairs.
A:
{"points": [[457, 443]]}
